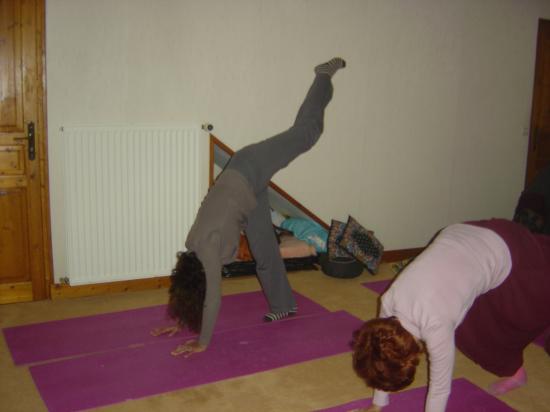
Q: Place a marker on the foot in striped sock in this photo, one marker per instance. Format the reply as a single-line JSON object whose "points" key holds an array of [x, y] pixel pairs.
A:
{"points": [[273, 316], [330, 67]]}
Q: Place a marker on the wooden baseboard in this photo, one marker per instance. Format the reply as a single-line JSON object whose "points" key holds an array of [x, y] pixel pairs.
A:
{"points": [[66, 291], [401, 254]]}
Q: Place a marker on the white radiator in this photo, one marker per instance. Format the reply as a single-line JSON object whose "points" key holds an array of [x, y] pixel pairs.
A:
{"points": [[131, 195]]}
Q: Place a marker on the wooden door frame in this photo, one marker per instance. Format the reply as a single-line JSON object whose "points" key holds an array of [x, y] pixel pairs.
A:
{"points": [[41, 286], [42, 261], [536, 106]]}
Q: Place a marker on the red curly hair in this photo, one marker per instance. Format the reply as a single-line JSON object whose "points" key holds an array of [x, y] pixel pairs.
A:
{"points": [[385, 355]]}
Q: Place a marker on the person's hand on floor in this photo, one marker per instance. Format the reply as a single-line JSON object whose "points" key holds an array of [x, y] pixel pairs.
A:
{"points": [[188, 348], [166, 330]]}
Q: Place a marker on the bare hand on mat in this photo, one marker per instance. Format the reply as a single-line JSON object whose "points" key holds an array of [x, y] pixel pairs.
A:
{"points": [[166, 330], [188, 348]]}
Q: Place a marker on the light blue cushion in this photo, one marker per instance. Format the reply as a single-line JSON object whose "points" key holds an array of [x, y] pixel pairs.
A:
{"points": [[308, 231]]}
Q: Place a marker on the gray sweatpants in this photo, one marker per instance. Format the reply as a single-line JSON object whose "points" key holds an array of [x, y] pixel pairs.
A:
{"points": [[258, 163]]}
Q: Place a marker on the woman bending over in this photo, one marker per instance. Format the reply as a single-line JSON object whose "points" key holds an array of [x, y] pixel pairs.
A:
{"points": [[482, 286]]}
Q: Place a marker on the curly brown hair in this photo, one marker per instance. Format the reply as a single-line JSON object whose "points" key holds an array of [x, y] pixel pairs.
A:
{"points": [[187, 291], [385, 355]]}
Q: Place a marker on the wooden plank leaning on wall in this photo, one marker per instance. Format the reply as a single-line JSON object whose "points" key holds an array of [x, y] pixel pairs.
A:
{"points": [[65, 291]]}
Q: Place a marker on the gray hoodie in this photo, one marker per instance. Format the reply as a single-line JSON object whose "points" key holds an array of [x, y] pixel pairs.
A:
{"points": [[215, 235]]}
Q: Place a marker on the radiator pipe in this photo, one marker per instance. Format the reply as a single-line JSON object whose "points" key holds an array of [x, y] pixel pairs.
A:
{"points": [[207, 127]]}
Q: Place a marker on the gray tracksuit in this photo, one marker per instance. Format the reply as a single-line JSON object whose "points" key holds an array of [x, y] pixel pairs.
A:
{"points": [[239, 201]]}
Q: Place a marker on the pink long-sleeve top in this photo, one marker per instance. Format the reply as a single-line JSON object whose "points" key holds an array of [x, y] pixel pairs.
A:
{"points": [[434, 292]]}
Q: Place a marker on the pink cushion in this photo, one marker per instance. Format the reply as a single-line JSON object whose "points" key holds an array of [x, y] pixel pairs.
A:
{"points": [[292, 247]]}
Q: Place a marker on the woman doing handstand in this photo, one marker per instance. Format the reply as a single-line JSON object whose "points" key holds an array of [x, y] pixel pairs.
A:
{"points": [[239, 201]]}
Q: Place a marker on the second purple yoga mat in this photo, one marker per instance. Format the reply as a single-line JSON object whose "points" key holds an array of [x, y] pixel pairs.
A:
{"points": [[465, 397], [89, 334], [542, 338], [130, 373], [379, 286]]}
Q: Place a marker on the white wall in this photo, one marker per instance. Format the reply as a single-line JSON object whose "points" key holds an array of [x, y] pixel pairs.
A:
{"points": [[428, 125]]}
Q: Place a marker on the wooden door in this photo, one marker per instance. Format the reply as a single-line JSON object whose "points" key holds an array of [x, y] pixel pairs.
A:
{"points": [[25, 263], [539, 139]]}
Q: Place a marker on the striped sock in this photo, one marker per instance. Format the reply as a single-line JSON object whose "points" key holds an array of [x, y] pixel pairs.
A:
{"points": [[273, 316], [331, 66]]}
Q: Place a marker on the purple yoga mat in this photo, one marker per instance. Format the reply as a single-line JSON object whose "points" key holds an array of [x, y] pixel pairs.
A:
{"points": [[465, 396], [542, 338], [379, 286], [130, 373], [99, 333]]}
